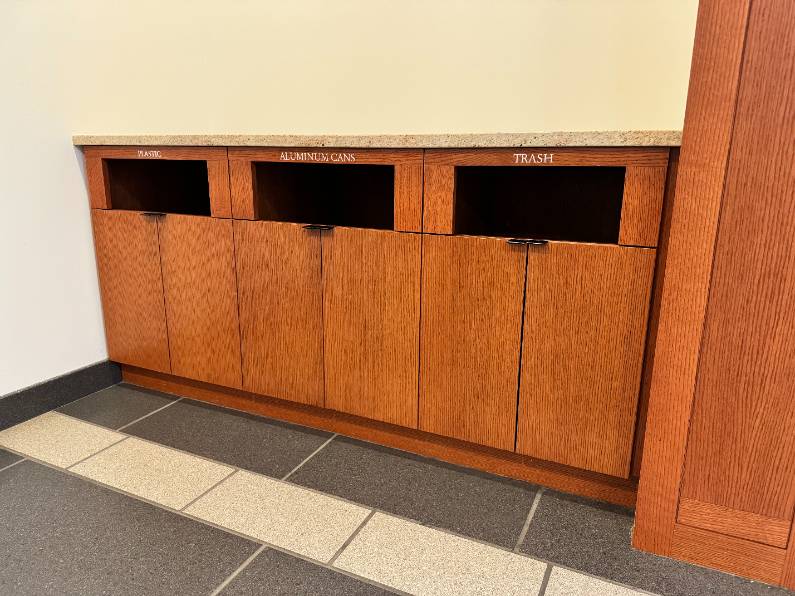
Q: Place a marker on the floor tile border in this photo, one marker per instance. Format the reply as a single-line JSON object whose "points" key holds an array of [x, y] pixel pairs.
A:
{"points": [[528, 521], [11, 465], [310, 456], [222, 586], [329, 566], [145, 416]]}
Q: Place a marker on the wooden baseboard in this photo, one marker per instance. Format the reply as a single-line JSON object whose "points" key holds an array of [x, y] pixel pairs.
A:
{"points": [[587, 484]]}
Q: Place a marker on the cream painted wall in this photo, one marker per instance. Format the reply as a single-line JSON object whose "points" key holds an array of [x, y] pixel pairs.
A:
{"points": [[257, 66]]}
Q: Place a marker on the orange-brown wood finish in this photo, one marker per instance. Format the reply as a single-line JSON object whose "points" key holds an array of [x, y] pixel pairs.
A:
{"points": [[644, 189], [438, 199], [503, 463], [131, 287], [741, 451], [408, 189], [279, 286], [218, 178], [197, 256], [654, 315], [371, 320], [472, 290], [407, 178], [717, 55], [97, 179], [241, 184], [217, 171], [585, 317], [561, 156], [732, 522], [727, 553]]}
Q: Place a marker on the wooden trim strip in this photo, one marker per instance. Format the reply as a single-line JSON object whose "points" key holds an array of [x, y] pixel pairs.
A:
{"points": [[131, 152], [549, 156], [727, 553], [97, 179], [644, 189], [503, 463], [742, 524], [331, 155]]}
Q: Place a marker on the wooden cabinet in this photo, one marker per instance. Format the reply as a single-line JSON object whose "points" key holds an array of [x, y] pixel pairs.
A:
{"points": [[131, 286], [472, 290], [279, 280], [371, 318], [169, 296], [584, 334], [198, 262]]}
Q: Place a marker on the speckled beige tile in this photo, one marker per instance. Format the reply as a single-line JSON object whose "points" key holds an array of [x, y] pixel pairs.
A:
{"points": [[590, 138], [294, 518], [57, 439], [563, 582], [421, 560], [154, 472]]}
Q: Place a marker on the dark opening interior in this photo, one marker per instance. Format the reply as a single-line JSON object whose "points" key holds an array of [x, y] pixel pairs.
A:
{"points": [[359, 196], [168, 186], [552, 203]]}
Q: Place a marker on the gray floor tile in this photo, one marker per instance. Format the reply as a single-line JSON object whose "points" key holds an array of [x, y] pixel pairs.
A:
{"points": [[116, 406], [279, 574], [7, 458], [258, 444], [466, 501], [63, 535], [595, 538]]}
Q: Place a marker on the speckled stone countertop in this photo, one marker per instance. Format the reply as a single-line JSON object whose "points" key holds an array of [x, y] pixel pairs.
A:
{"points": [[608, 138]]}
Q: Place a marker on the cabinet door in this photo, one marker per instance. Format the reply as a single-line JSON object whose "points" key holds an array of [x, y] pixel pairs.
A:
{"points": [[470, 340], [278, 269], [197, 255], [371, 316], [131, 285], [739, 476], [584, 335]]}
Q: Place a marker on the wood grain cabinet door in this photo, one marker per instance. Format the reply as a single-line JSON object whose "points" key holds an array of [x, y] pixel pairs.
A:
{"points": [[131, 285], [278, 269], [470, 338], [585, 319], [371, 318], [198, 262]]}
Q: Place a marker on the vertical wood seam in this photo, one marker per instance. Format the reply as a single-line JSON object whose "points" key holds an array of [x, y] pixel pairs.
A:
{"points": [[163, 287], [521, 346], [419, 310], [237, 300], [321, 234]]}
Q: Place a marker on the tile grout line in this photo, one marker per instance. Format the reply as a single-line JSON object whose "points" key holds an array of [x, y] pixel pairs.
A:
{"points": [[149, 414], [350, 538], [237, 571], [310, 456], [123, 438], [530, 514], [221, 481], [19, 461], [545, 581]]}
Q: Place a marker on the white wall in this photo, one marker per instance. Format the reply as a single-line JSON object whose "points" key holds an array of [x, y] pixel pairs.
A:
{"points": [[308, 66]]}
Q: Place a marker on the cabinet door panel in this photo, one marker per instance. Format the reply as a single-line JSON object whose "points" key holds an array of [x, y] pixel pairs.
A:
{"points": [[741, 449], [584, 334], [278, 268], [131, 284], [371, 310], [198, 263], [470, 340]]}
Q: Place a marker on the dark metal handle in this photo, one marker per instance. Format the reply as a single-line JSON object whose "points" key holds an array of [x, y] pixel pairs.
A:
{"points": [[318, 227], [152, 213], [530, 241]]}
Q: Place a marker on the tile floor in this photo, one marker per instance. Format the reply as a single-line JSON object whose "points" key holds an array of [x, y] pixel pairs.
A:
{"points": [[129, 491]]}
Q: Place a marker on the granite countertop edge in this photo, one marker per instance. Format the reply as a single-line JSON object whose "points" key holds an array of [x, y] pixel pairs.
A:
{"points": [[608, 138]]}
